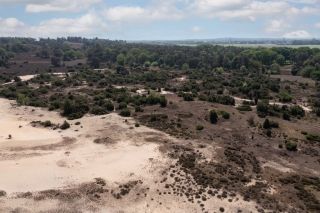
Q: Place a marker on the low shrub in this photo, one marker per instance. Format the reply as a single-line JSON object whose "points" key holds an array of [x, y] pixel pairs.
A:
{"points": [[225, 114], [291, 146], [47, 123], [312, 137], [125, 112], [65, 125], [244, 108], [199, 127]]}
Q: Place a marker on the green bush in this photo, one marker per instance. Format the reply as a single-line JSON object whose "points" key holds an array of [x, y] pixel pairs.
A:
{"points": [[99, 111], [297, 111], [274, 124], [47, 123], [199, 127], [163, 101], [291, 146], [77, 123], [304, 132], [284, 96], [244, 108], [65, 125], [164, 116], [312, 137], [125, 112], [122, 105], [224, 114], [137, 125], [153, 117], [138, 109], [269, 133]]}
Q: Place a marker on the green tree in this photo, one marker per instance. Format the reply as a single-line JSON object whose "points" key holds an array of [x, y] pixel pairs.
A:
{"points": [[266, 124], [121, 59], [163, 101], [213, 116], [55, 61], [280, 59]]}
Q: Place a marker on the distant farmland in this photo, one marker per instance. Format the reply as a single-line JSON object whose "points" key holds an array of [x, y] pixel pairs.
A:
{"points": [[256, 45]]}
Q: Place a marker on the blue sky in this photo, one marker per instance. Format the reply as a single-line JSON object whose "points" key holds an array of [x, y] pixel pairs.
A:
{"points": [[161, 20]]}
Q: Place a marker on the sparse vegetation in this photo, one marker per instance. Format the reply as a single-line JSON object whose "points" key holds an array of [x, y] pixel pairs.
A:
{"points": [[199, 127], [65, 125]]}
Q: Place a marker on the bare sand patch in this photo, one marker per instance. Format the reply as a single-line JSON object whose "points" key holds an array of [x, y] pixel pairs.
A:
{"points": [[47, 170]]}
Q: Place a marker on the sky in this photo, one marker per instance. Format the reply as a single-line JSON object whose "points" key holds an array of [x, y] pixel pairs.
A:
{"points": [[160, 19]]}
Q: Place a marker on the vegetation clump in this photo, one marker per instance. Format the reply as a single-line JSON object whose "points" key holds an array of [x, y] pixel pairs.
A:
{"points": [[65, 125], [125, 112], [199, 127], [244, 108], [291, 146], [213, 116]]}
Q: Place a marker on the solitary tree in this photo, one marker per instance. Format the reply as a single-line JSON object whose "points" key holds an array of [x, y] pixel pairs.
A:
{"points": [[213, 116], [266, 124]]}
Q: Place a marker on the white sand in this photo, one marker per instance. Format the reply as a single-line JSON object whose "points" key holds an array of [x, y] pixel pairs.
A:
{"points": [[38, 158]]}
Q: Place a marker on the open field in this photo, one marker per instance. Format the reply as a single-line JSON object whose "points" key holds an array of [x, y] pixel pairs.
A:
{"points": [[256, 45]]}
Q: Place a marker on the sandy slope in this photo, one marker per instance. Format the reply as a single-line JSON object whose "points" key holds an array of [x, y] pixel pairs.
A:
{"points": [[108, 147]]}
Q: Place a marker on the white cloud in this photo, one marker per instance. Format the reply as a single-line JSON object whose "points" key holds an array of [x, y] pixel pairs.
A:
{"points": [[37, 6], [276, 26], [155, 12], [297, 34], [196, 29], [317, 25], [243, 9], [10, 26], [89, 24]]}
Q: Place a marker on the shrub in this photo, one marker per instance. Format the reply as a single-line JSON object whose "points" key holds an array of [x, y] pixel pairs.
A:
{"points": [[225, 114], [291, 146], [163, 102], [65, 125], [153, 117], [304, 132], [199, 127], [284, 96], [137, 125], [266, 124], [187, 97], [122, 105], [138, 109], [280, 146], [244, 108], [213, 116], [109, 105], [77, 123], [2, 193], [47, 123], [164, 116], [274, 124], [297, 110], [251, 120], [286, 115], [125, 112], [269, 133], [312, 137], [99, 111]]}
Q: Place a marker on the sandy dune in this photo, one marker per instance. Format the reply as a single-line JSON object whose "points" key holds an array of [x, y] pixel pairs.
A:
{"points": [[39, 164]]}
